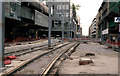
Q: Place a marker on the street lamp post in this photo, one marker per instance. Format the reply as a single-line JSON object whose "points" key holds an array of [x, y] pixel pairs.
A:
{"points": [[2, 32]]}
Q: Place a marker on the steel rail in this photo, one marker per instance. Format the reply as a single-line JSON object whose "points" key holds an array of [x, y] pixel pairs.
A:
{"points": [[10, 72], [23, 50], [49, 66]]}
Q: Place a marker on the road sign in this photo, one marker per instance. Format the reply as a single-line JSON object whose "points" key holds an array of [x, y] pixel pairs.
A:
{"points": [[117, 19]]}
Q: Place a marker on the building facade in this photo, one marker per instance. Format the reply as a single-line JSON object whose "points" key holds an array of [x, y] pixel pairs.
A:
{"points": [[61, 13], [81, 32], [93, 26], [25, 21], [90, 32], [106, 28]]}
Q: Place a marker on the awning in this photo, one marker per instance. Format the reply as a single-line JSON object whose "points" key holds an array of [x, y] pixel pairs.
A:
{"points": [[115, 8], [112, 23]]}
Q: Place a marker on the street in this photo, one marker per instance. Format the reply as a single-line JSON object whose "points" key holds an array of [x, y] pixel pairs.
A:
{"points": [[59, 37]]}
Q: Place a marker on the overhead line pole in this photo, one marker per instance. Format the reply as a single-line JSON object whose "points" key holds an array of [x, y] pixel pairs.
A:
{"points": [[71, 28], [2, 33], [119, 29], [49, 26], [69, 21], [74, 30], [63, 29]]}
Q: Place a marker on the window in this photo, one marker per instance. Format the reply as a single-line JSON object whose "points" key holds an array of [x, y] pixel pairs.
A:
{"points": [[57, 6], [67, 6], [60, 7], [55, 23], [52, 23], [60, 14], [63, 6], [57, 13], [15, 9], [53, 6], [99, 18], [13, 6], [59, 22], [67, 15]]}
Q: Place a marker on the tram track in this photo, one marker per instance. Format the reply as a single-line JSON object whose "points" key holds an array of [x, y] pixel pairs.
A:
{"points": [[29, 50], [7, 73], [46, 71]]}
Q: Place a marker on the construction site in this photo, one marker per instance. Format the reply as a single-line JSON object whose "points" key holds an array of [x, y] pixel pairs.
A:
{"points": [[50, 38]]}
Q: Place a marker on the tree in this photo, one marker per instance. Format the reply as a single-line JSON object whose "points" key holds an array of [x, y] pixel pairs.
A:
{"points": [[74, 9]]}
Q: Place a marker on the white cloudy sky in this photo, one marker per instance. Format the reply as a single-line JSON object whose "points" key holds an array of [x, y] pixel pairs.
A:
{"points": [[87, 12]]}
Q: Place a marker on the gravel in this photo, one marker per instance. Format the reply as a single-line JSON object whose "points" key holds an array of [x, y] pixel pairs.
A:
{"points": [[40, 64], [20, 47]]}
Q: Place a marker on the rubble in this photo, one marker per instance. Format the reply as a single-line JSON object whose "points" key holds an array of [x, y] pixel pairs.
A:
{"points": [[8, 59]]}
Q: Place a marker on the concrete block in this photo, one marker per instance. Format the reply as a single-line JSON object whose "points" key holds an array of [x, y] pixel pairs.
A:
{"points": [[85, 61]]}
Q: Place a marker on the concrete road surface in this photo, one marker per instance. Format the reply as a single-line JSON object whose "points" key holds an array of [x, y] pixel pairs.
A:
{"points": [[105, 60]]}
